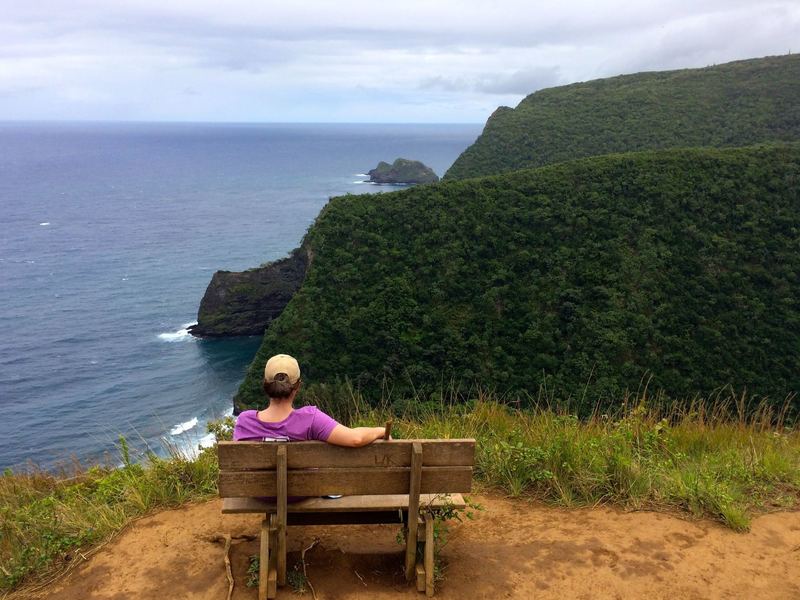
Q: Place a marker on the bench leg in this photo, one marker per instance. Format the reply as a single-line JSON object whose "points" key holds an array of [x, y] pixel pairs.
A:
{"points": [[263, 561], [272, 575], [420, 577], [281, 553], [413, 509], [428, 555], [281, 517]]}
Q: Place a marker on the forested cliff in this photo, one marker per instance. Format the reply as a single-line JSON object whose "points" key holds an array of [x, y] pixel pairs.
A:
{"points": [[588, 277], [733, 104]]}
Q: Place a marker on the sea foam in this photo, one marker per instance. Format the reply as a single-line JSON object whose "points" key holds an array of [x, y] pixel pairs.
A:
{"points": [[184, 427], [190, 444], [178, 336]]}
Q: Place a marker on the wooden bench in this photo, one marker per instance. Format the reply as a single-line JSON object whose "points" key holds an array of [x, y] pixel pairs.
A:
{"points": [[396, 481]]}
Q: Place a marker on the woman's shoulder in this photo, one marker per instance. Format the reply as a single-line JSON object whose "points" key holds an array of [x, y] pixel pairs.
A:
{"points": [[246, 414], [246, 425], [310, 414]]}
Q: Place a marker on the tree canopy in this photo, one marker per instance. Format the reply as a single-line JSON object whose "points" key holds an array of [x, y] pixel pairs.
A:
{"points": [[734, 104], [588, 276]]}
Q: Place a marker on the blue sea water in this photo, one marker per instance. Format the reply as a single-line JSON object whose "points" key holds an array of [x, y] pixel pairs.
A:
{"points": [[109, 234]]}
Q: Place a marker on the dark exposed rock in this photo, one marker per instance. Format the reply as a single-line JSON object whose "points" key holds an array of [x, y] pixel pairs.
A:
{"points": [[402, 171], [244, 303]]}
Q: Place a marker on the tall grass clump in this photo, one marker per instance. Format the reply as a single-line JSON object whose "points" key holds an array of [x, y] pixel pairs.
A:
{"points": [[47, 520], [725, 458]]}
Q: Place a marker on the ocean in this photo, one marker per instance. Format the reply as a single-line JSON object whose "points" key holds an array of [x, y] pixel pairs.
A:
{"points": [[109, 235]]}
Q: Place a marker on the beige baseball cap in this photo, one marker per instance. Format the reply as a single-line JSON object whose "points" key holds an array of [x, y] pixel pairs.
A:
{"points": [[282, 363]]}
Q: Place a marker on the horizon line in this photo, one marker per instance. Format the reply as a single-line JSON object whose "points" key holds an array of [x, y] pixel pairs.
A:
{"points": [[187, 122]]}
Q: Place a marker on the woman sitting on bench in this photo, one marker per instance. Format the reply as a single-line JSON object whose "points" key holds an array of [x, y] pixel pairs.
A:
{"points": [[280, 421]]}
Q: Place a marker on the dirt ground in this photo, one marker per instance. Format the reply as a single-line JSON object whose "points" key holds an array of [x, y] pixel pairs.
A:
{"points": [[512, 549]]}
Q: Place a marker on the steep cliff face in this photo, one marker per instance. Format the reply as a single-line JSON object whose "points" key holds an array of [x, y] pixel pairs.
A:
{"points": [[244, 303]]}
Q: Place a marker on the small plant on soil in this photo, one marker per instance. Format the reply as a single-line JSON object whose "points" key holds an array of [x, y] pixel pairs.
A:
{"points": [[443, 518], [252, 571], [297, 580]]}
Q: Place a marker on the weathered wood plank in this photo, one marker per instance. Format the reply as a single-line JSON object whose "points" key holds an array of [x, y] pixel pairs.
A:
{"points": [[272, 575], [392, 517], [415, 483], [348, 481], [282, 523], [263, 561], [272, 583], [243, 456], [429, 555], [420, 571], [345, 504]]}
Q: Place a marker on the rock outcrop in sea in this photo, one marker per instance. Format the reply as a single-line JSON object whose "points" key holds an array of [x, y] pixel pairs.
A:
{"points": [[402, 171], [244, 303]]}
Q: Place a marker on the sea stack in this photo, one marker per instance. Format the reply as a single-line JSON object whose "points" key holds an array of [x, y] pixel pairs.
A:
{"points": [[402, 171]]}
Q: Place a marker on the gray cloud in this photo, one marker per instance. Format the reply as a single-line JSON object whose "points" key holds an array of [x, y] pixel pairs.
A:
{"points": [[521, 82], [448, 60]]}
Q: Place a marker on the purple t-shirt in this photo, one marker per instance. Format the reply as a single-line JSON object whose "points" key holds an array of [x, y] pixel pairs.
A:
{"points": [[306, 423]]}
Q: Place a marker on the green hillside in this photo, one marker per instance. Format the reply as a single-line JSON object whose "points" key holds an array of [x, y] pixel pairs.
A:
{"points": [[582, 276], [735, 104]]}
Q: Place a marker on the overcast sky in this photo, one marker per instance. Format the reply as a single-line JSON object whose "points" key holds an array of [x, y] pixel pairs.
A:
{"points": [[351, 60]]}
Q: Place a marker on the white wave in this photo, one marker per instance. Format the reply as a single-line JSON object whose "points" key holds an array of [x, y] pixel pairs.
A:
{"points": [[178, 336], [45, 224], [361, 175], [184, 427], [196, 439], [207, 440]]}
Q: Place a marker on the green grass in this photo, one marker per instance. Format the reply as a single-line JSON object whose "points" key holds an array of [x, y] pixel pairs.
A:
{"points": [[48, 521], [719, 459]]}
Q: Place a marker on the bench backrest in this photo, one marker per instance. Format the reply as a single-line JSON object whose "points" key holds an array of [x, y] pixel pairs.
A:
{"points": [[250, 469]]}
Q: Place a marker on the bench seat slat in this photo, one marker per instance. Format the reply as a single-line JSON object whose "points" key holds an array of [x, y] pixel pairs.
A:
{"points": [[388, 502], [248, 456], [347, 481]]}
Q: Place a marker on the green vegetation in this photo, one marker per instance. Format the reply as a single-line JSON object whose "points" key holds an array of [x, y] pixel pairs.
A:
{"points": [[702, 460], [724, 457], [47, 521], [675, 270], [719, 459], [734, 104]]}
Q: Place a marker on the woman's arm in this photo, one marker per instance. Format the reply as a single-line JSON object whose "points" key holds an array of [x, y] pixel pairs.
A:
{"points": [[355, 437]]}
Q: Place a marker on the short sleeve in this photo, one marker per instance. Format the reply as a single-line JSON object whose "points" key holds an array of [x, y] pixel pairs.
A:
{"points": [[241, 429], [322, 425]]}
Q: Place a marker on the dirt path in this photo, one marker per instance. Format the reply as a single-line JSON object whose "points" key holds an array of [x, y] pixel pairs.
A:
{"points": [[512, 550]]}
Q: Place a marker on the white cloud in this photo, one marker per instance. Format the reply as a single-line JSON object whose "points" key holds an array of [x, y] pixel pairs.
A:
{"points": [[319, 60]]}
